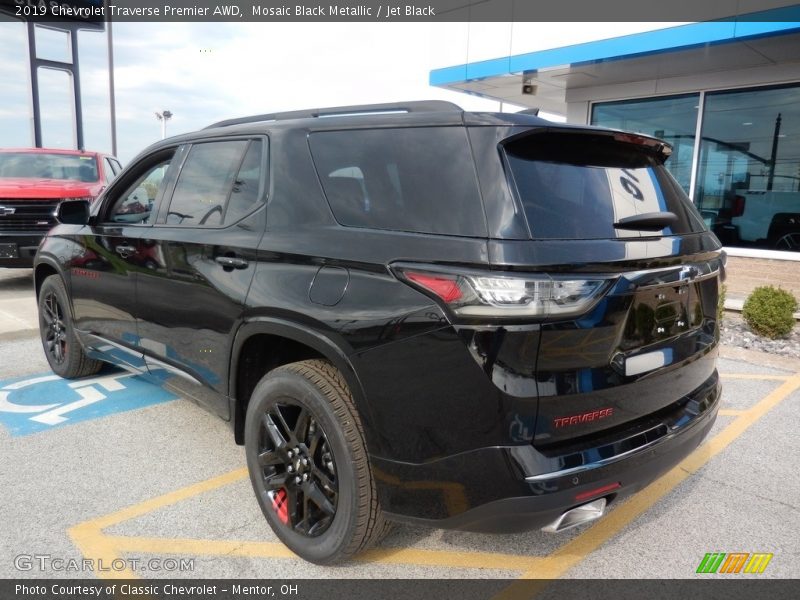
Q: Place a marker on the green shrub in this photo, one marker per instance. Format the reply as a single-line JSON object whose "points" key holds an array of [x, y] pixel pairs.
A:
{"points": [[723, 290], [768, 311]]}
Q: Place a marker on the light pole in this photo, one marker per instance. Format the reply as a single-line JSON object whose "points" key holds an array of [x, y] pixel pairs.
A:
{"points": [[111, 97], [163, 116]]}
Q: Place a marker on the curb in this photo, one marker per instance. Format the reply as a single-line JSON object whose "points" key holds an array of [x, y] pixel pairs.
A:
{"points": [[759, 358]]}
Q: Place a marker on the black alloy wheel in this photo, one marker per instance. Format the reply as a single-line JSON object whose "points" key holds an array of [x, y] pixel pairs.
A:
{"points": [[309, 465], [298, 469], [61, 346], [54, 331]]}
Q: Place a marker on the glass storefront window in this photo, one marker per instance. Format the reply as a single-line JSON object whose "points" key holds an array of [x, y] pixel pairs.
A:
{"points": [[748, 182], [93, 58], [58, 108], [671, 118], [53, 44], [16, 120]]}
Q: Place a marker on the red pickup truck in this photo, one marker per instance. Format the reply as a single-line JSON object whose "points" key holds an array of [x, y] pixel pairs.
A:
{"points": [[32, 183]]}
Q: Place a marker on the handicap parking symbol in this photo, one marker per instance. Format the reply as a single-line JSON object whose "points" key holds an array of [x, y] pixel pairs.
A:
{"points": [[41, 402]]}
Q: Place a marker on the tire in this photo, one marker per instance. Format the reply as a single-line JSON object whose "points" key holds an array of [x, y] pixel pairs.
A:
{"points": [[307, 406], [61, 347]]}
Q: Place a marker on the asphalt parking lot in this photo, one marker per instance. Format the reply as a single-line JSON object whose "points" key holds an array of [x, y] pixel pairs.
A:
{"points": [[112, 468]]}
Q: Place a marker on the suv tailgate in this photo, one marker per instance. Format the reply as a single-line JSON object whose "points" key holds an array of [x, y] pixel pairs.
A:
{"points": [[650, 341]]}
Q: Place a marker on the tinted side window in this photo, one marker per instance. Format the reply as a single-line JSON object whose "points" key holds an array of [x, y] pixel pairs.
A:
{"points": [[415, 179], [246, 192], [577, 186], [135, 205], [205, 183]]}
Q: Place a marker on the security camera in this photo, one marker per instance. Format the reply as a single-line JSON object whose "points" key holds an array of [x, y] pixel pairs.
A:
{"points": [[528, 89]]}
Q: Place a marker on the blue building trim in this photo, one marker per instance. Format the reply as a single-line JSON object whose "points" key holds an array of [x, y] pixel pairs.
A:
{"points": [[649, 42]]}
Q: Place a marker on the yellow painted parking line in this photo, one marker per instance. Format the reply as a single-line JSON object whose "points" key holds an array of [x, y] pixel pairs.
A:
{"points": [[148, 506], [758, 376], [93, 542], [573, 552]]}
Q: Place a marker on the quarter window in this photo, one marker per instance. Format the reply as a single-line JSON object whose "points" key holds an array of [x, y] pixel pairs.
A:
{"points": [[246, 191], [415, 179]]}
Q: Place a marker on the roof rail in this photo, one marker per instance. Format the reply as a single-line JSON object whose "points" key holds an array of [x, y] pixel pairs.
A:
{"points": [[342, 111]]}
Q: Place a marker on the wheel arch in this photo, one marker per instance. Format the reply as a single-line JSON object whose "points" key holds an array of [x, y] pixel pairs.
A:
{"points": [[43, 268], [299, 342]]}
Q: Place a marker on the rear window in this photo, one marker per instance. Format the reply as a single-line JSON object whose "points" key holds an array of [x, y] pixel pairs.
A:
{"points": [[577, 186], [413, 179]]}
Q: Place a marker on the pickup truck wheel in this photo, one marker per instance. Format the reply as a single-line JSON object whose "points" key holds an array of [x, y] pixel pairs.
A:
{"points": [[61, 347], [308, 463], [788, 241]]}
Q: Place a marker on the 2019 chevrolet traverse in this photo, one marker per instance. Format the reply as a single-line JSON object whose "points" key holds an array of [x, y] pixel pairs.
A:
{"points": [[407, 312]]}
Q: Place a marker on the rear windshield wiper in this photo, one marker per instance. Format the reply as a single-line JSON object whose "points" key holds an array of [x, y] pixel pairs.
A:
{"points": [[654, 221]]}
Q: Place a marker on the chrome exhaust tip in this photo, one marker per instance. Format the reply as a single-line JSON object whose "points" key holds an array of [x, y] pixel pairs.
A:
{"points": [[585, 513]]}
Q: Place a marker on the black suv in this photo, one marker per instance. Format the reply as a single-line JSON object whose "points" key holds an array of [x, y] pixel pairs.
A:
{"points": [[410, 313]]}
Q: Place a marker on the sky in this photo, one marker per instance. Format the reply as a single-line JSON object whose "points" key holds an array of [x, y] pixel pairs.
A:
{"points": [[204, 72]]}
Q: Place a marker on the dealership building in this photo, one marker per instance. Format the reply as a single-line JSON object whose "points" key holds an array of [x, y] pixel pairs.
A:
{"points": [[725, 94]]}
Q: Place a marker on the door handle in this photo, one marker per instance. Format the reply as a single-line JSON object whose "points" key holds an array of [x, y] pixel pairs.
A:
{"points": [[232, 262], [124, 250]]}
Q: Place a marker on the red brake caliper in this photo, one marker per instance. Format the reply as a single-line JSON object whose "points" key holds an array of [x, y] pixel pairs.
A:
{"points": [[280, 505]]}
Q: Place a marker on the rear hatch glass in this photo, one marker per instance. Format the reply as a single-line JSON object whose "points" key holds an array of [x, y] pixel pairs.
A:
{"points": [[577, 186]]}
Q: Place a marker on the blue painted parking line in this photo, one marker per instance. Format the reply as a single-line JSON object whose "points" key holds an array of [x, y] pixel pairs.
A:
{"points": [[42, 402]]}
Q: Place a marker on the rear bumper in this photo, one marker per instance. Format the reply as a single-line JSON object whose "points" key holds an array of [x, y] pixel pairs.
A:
{"points": [[23, 251], [504, 490]]}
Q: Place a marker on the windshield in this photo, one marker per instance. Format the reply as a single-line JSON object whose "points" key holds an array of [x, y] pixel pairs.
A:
{"points": [[48, 166], [577, 186]]}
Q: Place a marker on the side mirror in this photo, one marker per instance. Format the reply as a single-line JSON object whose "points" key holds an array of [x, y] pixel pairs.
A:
{"points": [[73, 212]]}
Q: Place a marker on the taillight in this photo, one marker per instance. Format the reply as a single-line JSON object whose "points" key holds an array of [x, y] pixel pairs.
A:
{"points": [[445, 288], [737, 210], [507, 295]]}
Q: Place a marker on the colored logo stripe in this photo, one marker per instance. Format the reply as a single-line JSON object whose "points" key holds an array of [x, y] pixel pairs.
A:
{"points": [[711, 562], [734, 562], [758, 562]]}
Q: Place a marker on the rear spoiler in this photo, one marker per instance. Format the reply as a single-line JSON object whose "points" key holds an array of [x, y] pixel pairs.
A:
{"points": [[659, 148]]}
